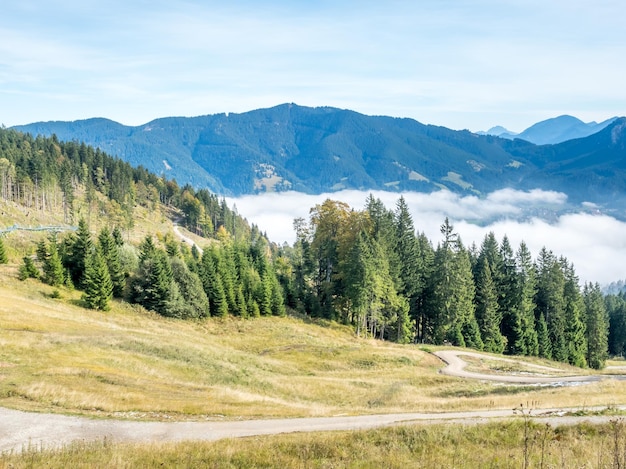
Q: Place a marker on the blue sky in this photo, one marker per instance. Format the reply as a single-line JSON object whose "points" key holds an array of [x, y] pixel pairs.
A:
{"points": [[461, 64]]}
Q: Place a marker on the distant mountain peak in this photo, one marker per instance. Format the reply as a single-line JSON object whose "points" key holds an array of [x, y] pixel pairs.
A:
{"points": [[552, 131]]}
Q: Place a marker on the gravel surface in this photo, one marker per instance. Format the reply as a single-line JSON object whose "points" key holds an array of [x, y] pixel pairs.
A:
{"points": [[19, 430]]}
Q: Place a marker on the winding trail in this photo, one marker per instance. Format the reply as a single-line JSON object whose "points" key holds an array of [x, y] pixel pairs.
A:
{"points": [[20, 430], [456, 367], [186, 239]]}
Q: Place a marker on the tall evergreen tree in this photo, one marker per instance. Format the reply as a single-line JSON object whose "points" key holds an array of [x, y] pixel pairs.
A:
{"points": [[97, 282], [551, 302], [487, 310], [411, 263], [616, 310], [544, 344], [53, 271], [508, 299], [525, 332], [212, 285], [80, 246], [574, 313], [597, 326], [110, 252]]}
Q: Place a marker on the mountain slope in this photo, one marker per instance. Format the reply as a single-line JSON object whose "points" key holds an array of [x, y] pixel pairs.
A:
{"points": [[314, 150], [305, 149], [552, 131]]}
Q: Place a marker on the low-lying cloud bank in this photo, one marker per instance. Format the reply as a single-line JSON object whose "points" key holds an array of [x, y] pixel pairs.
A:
{"points": [[595, 243]]}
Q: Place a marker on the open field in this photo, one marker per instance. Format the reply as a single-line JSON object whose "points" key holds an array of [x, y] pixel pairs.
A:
{"points": [[507, 444], [56, 356], [132, 365]]}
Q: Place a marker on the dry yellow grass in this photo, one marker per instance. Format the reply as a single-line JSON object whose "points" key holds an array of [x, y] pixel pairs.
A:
{"points": [[495, 445], [57, 356]]}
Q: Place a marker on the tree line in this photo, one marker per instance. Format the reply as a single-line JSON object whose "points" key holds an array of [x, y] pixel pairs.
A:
{"points": [[164, 276], [44, 174], [373, 270]]}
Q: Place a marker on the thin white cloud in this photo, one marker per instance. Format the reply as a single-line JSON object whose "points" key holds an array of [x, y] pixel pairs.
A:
{"points": [[460, 64]]}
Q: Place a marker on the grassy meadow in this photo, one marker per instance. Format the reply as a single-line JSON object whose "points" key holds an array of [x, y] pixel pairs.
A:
{"points": [[511, 444], [129, 363]]}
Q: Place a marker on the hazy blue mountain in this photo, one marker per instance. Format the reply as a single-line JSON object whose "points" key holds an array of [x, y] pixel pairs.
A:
{"points": [[551, 131], [314, 150], [499, 131]]}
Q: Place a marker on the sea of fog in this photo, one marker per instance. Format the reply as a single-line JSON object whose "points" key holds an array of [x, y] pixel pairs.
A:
{"points": [[595, 243]]}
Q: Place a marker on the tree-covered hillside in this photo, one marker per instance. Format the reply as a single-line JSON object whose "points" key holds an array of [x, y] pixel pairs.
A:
{"points": [[315, 150], [370, 269]]}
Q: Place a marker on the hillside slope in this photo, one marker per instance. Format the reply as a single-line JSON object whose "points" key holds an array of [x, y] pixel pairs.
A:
{"points": [[315, 150]]}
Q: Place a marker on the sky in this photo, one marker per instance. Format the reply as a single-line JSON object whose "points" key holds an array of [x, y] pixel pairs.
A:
{"points": [[461, 64], [594, 243]]}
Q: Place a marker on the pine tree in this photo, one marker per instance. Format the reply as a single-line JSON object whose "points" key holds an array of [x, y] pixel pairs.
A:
{"points": [[111, 253], [616, 310], [551, 302], [242, 306], [80, 246], [597, 326], [28, 269], [117, 237], [157, 283], [53, 271], [411, 263], [97, 282], [526, 342], [508, 300], [212, 285], [3, 254], [574, 313], [544, 345], [487, 310]]}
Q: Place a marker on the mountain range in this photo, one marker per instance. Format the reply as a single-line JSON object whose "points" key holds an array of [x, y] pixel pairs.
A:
{"points": [[551, 131], [324, 149]]}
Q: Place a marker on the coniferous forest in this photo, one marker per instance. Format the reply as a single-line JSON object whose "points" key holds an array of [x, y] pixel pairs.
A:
{"points": [[372, 269]]}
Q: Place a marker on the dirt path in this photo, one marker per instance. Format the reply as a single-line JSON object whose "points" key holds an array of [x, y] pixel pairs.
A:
{"points": [[187, 239], [20, 429], [456, 367]]}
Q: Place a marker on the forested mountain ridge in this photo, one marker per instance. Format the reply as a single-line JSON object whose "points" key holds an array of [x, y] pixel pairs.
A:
{"points": [[315, 150]]}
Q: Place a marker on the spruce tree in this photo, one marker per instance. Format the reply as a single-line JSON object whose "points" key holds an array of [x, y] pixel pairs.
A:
{"points": [[597, 326], [487, 310], [97, 282], [574, 313], [53, 271], [157, 282], [616, 310], [212, 285], [551, 302], [80, 246], [526, 337], [508, 300], [28, 269], [411, 263], [544, 345], [3, 254], [111, 253]]}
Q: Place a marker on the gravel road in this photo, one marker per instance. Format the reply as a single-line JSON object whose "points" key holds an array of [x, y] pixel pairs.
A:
{"points": [[19, 430], [456, 367]]}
